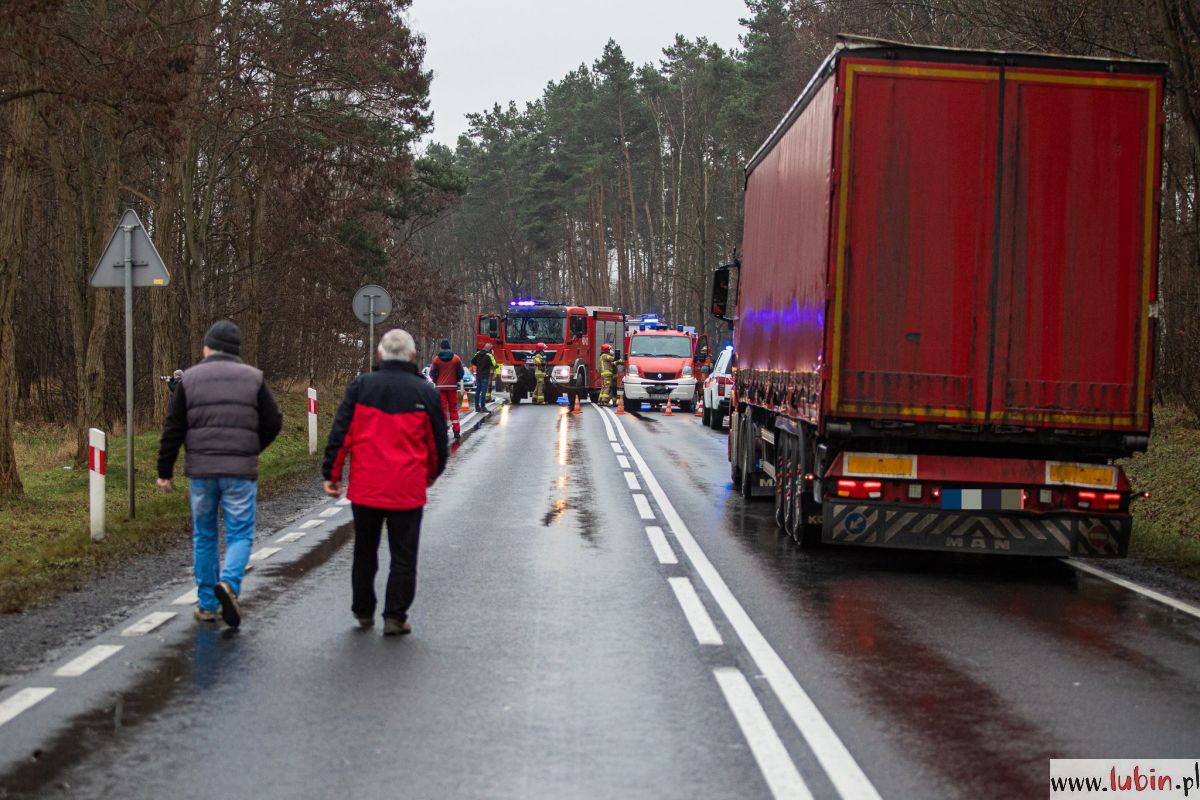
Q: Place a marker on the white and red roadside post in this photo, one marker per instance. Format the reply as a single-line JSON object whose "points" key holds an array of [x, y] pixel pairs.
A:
{"points": [[312, 421], [97, 467]]}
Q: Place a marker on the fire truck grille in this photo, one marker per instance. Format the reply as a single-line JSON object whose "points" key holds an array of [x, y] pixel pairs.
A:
{"points": [[661, 376]]}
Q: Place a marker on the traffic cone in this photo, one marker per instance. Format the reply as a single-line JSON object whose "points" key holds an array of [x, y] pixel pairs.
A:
{"points": [[577, 409], [620, 404], [466, 405], [669, 412], [700, 408]]}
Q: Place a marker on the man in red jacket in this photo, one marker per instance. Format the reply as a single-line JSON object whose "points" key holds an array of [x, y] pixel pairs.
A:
{"points": [[390, 422], [446, 372]]}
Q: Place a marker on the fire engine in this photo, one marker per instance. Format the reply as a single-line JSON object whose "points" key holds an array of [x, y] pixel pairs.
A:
{"points": [[663, 362], [572, 335]]}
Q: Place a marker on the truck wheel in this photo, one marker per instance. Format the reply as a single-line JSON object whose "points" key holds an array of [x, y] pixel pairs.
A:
{"points": [[806, 508], [790, 484], [718, 420], [735, 456], [706, 417], [782, 454], [747, 449], [687, 406], [516, 395]]}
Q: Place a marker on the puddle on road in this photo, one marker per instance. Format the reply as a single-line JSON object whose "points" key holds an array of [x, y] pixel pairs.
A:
{"points": [[572, 489], [196, 662]]}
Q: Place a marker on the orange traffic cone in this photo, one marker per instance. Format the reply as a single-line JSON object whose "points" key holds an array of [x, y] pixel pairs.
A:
{"points": [[700, 408], [669, 412], [577, 409], [620, 404], [466, 404]]}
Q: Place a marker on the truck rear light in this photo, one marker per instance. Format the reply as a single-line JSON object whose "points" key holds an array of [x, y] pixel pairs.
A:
{"points": [[937, 494], [860, 489], [874, 489], [1085, 499], [1107, 501]]}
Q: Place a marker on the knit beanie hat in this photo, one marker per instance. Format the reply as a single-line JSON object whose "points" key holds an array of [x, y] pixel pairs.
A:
{"points": [[445, 344], [224, 335]]}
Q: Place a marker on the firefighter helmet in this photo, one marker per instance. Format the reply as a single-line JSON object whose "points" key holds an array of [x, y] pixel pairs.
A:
{"points": [[606, 348], [541, 346]]}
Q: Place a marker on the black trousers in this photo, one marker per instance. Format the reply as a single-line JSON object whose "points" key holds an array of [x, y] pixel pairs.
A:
{"points": [[404, 534]]}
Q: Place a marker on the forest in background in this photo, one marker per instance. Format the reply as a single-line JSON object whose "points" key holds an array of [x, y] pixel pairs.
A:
{"points": [[272, 147]]}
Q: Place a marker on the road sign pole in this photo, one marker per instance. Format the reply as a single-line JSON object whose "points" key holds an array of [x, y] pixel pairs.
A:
{"points": [[371, 348], [129, 365]]}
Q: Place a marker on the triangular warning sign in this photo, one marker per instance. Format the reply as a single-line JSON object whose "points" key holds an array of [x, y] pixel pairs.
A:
{"points": [[148, 266]]}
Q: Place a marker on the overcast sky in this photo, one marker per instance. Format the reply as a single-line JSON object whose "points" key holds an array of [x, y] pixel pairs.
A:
{"points": [[488, 51]]}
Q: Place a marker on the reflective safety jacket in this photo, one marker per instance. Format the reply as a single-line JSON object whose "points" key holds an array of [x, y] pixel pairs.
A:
{"points": [[391, 425]]}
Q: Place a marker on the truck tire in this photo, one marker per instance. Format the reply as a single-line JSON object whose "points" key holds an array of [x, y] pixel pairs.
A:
{"points": [[718, 420], [706, 417], [790, 483], [735, 455], [747, 449], [782, 454], [687, 406], [807, 533]]}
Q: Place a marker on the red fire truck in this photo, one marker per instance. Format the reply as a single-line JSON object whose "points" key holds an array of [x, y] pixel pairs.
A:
{"points": [[572, 335]]}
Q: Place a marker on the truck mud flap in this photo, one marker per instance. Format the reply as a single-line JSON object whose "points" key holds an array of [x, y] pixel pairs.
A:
{"points": [[1012, 534]]}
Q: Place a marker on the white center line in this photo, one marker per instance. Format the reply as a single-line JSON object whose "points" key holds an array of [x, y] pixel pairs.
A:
{"points": [[623, 462], [93, 657], [312, 523], [264, 552], [329, 512], [643, 506], [616, 447], [843, 771], [287, 538], [22, 700], [632, 482], [148, 623], [188, 598], [1178, 605], [776, 765], [697, 615], [661, 548]]}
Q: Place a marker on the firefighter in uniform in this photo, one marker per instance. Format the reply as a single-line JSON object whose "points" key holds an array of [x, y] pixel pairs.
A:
{"points": [[608, 375], [539, 374]]}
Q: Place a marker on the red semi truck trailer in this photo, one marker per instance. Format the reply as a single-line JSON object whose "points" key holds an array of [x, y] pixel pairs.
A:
{"points": [[945, 301]]}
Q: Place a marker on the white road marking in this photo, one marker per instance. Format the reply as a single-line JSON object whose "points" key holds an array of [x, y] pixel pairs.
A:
{"points": [[776, 765], [329, 512], [844, 772], [188, 598], [661, 548], [643, 506], [631, 481], [608, 428], [23, 700], [616, 447], [148, 623], [312, 523], [77, 666], [264, 552], [345, 501], [623, 462], [287, 538], [697, 615], [1178, 605]]}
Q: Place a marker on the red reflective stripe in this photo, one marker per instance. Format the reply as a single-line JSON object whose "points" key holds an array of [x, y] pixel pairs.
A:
{"points": [[96, 460], [312, 405]]}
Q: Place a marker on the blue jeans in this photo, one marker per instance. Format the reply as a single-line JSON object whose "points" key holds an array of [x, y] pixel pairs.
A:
{"points": [[481, 394], [236, 498]]}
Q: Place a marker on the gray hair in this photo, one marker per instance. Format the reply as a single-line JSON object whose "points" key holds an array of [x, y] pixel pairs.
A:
{"points": [[397, 345]]}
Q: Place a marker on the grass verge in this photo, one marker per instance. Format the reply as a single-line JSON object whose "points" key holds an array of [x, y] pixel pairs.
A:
{"points": [[45, 548], [1166, 526]]}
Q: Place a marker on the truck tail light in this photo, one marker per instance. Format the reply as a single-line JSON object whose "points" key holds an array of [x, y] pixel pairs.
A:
{"points": [[1097, 501], [860, 489]]}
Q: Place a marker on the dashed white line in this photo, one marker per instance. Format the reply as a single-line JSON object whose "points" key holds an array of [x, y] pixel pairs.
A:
{"points": [[776, 765], [697, 615], [329, 512], [1178, 605], [264, 552], [312, 523], [22, 701], [78, 666], [844, 772], [616, 447], [632, 482], [661, 548], [288, 538], [643, 506], [148, 623], [623, 462], [188, 598]]}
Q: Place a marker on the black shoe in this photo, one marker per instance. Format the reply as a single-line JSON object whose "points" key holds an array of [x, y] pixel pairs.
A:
{"points": [[394, 627], [229, 604], [365, 623], [457, 436]]}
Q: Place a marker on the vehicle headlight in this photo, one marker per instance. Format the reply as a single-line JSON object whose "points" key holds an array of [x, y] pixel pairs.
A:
{"points": [[687, 370], [631, 369], [508, 373], [561, 373]]}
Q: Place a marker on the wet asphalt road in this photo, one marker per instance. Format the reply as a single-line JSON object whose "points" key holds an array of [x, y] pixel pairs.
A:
{"points": [[551, 657]]}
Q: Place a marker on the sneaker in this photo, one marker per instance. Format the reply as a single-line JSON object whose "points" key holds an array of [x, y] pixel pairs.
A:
{"points": [[229, 604], [204, 615], [365, 623], [394, 627]]}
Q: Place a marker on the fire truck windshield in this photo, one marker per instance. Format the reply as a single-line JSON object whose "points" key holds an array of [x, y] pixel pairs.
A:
{"points": [[661, 346], [521, 328]]}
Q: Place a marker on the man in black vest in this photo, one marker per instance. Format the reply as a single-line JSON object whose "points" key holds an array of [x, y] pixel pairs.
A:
{"points": [[224, 415]]}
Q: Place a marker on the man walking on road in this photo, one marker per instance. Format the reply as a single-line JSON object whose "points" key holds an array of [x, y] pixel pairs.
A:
{"points": [[485, 364], [223, 413], [390, 424], [446, 371]]}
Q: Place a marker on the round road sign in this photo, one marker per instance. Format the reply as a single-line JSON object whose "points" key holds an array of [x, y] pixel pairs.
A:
{"points": [[362, 303]]}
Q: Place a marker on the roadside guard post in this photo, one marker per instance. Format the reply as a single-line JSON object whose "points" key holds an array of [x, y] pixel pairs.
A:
{"points": [[312, 421], [96, 469]]}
